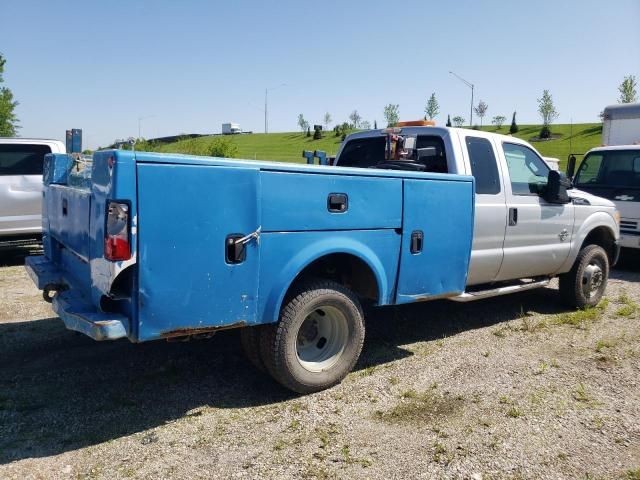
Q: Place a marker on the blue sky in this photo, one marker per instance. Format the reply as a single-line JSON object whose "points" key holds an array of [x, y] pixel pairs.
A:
{"points": [[189, 66]]}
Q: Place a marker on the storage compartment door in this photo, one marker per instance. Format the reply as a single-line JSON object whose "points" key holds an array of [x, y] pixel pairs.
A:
{"points": [[436, 239], [185, 215]]}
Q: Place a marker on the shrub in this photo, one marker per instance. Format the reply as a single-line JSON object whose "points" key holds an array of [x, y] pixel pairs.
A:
{"points": [[220, 147], [545, 132]]}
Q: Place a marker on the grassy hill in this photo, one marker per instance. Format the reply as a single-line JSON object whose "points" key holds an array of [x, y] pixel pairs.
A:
{"points": [[287, 147]]}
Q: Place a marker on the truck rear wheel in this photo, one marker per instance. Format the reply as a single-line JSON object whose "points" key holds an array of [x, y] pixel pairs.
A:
{"points": [[250, 340], [585, 284], [318, 338]]}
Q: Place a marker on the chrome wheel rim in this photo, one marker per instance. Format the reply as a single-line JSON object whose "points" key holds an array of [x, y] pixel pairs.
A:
{"points": [[321, 339], [592, 279]]}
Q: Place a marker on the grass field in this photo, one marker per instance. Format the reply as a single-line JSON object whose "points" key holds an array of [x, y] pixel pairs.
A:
{"points": [[287, 147]]}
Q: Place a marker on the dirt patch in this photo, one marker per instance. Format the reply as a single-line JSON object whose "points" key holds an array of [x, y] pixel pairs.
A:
{"points": [[512, 387]]}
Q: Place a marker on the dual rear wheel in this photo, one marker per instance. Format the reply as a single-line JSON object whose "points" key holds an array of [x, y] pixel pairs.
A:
{"points": [[316, 341]]}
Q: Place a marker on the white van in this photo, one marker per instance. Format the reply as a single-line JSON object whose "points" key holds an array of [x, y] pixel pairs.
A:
{"points": [[21, 161]]}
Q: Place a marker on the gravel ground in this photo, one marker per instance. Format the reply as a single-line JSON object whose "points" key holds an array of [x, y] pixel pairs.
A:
{"points": [[511, 387]]}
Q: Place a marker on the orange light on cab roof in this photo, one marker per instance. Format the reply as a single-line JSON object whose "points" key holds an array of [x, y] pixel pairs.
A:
{"points": [[416, 123]]}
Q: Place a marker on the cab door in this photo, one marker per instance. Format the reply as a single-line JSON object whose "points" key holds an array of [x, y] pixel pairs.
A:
{"points": [[490, 210], [539, 234]]}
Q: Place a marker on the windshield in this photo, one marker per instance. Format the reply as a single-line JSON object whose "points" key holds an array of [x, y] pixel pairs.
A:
{"points": [[612, 168]]}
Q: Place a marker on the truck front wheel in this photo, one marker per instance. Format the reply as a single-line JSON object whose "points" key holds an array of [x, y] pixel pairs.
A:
{"points": [[585, 284], [318, 338]]}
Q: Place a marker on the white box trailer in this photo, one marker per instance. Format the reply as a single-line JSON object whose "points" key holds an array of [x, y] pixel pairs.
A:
{"points": [[231, 128], [621, 124]]}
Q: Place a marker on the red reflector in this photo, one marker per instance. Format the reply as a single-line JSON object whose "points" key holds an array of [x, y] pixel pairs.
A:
{"points": [[116, 248]]}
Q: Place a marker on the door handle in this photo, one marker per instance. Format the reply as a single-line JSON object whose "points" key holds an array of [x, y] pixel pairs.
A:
{"points": [[338, 202], [513, 217], [417, 241]]}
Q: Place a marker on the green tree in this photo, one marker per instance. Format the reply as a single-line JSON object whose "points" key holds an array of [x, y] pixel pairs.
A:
{"points": [[8, 119], [513, 129], [392, 114], [548, 113], [355, 119], [627, 90], [327, 120], [481, 110], [458, 121], [432, 108], [302, 123], [375, 124], [498, 120], [448, 120]]}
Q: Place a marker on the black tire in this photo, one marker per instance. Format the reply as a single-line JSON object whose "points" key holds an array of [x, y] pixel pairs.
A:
{"points": [[250, 340], [325, 351], [585, 284]]}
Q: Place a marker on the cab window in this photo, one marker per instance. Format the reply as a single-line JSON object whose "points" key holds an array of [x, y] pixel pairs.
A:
{"points": [[437, 163], [527, 171], [363, 152]]}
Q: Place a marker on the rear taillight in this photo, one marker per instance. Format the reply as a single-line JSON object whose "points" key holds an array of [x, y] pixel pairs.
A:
{"points": [[116, 240]]}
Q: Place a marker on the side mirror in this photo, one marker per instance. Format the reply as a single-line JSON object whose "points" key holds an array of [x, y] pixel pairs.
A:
{"points": [[426, 152], [571, 166], [557, 185]]}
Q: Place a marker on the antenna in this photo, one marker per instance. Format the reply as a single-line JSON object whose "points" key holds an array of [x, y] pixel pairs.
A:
{"points": [[571, 135]]}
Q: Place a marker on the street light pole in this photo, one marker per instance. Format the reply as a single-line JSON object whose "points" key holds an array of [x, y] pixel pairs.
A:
{"points": [[140, 124], [470, 85], [266, 115]]}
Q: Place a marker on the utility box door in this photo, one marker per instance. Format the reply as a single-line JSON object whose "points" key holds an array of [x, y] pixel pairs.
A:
{"points": [[437, 233], [185, 214]]}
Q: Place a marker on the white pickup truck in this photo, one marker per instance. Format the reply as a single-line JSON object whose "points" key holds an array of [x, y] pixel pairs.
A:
{"points": [[525, 227], [21, 161]]}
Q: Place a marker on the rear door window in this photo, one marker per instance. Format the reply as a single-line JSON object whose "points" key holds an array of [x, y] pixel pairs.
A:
{"points": [[484, 167], [18, 159]]}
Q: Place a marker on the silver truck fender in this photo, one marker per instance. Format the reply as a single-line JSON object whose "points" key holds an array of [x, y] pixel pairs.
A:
{"points": [[593, 221]]}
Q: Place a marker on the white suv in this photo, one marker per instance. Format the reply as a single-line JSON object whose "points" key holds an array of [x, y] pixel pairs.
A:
{"points": [[21, 161]]}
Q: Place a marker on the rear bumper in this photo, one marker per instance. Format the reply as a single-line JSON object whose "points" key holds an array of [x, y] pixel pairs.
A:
{"points": [[76, 311]]}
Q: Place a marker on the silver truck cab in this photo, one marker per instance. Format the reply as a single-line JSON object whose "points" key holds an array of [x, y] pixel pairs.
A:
{"points": [[517, 233], [21, 161]]}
